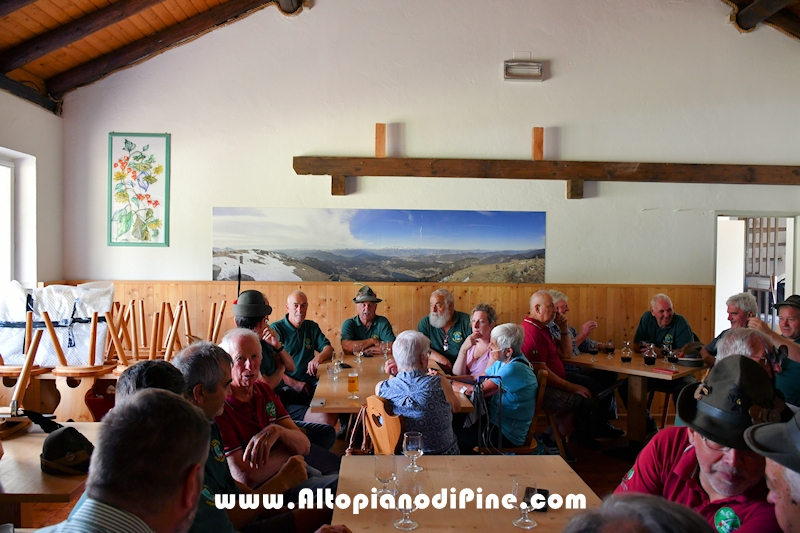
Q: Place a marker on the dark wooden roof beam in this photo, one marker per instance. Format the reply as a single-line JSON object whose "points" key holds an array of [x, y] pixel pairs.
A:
{"points": [[43, 44], [103, 65], [9, 6], [787, 22], [28, 93], [759, 11]]}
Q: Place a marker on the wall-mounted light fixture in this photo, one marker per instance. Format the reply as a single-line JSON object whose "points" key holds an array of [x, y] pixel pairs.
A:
{"points": [[523, 70]]}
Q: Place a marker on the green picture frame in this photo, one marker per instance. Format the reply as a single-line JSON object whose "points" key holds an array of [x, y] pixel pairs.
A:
{"points": [[138, 189]]}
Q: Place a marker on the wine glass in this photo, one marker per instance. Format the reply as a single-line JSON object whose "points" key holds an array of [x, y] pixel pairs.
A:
{"points": [[412, 448], [407, 490], [672, 357], [523, 490], [593, 349], [358, 351], [385, 349], [610, 349], [352, 385], [384, 472]]}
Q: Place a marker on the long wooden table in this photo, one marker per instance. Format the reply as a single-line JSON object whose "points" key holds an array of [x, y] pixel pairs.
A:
{"points": [[493, 474], [637, 373], [22, 482], [333, 394]]}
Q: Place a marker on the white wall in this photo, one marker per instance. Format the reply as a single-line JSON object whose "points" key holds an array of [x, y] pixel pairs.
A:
{"points": [[33, 139], [662, 81]]}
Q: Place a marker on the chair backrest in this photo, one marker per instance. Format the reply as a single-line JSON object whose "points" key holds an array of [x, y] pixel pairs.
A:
{"points": [[541, 377], [384, 428]]}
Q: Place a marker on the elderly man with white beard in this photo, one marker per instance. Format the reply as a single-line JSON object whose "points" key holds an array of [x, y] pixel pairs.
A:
{"points": [[446, 328]]}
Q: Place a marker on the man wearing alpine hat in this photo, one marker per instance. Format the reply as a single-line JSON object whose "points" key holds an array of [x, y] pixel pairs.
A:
{"points": [[708, 466], [366, 327], [780, 444]]}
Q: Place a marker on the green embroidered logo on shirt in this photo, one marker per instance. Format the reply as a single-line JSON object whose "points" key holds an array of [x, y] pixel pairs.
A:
{"points": [[216, 447], [726, 520], [308, 344], [629, 475], [458, 337], [272, 410]]}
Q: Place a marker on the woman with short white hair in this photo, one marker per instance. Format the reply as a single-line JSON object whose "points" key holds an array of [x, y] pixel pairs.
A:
{"points": [[426, 402]]}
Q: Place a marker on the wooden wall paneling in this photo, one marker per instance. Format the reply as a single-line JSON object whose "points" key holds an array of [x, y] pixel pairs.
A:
{"points": [[408, 312], [505, 303]]}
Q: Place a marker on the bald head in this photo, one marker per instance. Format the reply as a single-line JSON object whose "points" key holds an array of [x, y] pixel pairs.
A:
{"points": [[542, 307]]}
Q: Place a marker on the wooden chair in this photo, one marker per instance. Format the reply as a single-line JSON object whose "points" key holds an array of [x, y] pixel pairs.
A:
{"points": [[72, 405], [385, 429], [11, 419], [530, 441]]}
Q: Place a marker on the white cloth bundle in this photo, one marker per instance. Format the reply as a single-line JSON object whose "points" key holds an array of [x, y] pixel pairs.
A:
{"points": [[70, 309]]}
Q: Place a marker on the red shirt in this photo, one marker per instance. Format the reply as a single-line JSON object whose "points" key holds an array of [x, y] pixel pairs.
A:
{"points": [[539, 346], [668, 467], [241, 420]]}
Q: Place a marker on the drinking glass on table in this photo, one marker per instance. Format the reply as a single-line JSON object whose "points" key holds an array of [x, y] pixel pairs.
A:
{"points": [[384, 472], [673, 358], [594, 348], [385, 349], [666, 350], [627, 352], [412, 448], [333, 372], [408, 488], [352, 385], [523, 489], [610, 349], [358, 350]]}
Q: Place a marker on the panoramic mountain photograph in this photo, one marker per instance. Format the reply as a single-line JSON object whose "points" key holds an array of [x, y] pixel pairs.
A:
{"points": [[378, 245]]}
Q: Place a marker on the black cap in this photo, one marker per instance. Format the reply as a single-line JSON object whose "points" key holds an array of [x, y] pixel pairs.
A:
{"points": [[66, 451]]}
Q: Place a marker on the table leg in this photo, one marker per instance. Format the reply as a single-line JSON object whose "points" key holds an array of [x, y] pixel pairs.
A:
{"points": [[637, 420], [19, 514]]}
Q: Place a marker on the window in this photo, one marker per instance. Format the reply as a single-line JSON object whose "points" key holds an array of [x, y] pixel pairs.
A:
{"points": [[6, 221]]}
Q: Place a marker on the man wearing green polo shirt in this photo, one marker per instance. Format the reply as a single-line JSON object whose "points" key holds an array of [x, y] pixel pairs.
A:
{"points": [[366, 328], [309, 347], [446, 328]]}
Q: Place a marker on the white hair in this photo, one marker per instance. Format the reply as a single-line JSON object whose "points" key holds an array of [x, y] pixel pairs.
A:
{"points": [[744, 301], [507, 336], [448, 297], [234, 335], [558, 296], [658, 297], [407, 348], [743, 341]]}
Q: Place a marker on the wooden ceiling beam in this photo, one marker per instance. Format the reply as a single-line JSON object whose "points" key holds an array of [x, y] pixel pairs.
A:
{"points": [[759, 11], [786, 22], [9, 6], [73, 31], [549, 170], [28, 93], [103, 65]]}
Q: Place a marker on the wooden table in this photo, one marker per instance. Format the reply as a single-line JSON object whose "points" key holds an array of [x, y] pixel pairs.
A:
{"points": [[22, 482], [637, 373], [370, 372], [491, 473]]}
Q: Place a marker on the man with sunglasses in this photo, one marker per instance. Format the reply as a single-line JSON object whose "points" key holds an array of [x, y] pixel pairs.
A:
{"points": [[708, 466]]}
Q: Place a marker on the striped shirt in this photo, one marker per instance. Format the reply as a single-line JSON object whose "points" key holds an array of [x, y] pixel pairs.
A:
{"points": [[98, 517]]}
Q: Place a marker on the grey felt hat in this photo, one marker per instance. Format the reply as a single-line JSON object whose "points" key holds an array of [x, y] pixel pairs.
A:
{"points": [[734, 393], [365, 294], [251, 304], [779, 442]]}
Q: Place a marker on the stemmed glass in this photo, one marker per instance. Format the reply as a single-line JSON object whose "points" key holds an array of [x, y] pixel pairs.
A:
{"points": [[352, 385], [384, 472], [523, 489], [610, 348], [407, 490], [412, 448], [593, 349], [672, 357], [385, 349], [358, 351]]}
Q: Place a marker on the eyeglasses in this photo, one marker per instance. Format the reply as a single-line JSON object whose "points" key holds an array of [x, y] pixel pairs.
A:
{"points": [[711, 445]]}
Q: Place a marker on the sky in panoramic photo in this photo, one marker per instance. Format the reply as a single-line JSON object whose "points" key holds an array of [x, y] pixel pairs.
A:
{"points": [[330, 229]]}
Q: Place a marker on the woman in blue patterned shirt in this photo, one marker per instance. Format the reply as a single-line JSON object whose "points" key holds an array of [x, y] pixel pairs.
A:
{"points": [[426, 402]]}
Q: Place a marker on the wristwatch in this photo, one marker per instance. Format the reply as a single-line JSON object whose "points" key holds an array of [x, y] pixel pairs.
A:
{"points": [[463, 390], [278, 350]]}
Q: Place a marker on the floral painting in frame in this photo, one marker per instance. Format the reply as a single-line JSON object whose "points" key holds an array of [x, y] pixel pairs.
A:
{"points": [[138, 197]]}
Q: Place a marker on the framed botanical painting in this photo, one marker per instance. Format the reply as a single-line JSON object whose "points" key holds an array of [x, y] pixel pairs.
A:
{"points": [[138, 189]]}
